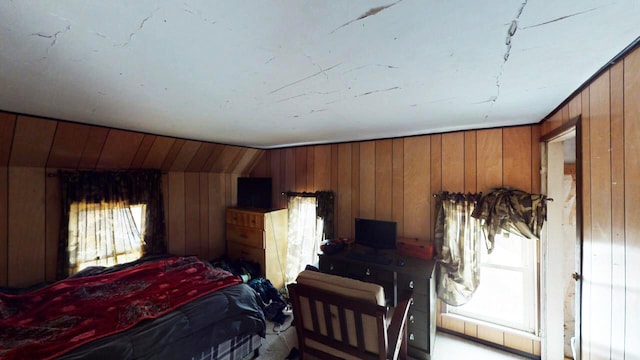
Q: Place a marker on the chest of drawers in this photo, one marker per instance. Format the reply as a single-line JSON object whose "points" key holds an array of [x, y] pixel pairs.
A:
{"points": [[259, 236], [416, 275]]}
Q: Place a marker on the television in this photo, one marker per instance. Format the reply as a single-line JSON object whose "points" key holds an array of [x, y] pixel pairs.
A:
{"points": [[254, 192], [376, 234]]}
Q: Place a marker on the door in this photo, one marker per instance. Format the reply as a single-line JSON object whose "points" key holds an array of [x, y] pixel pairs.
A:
{"points": [[561, 260]]}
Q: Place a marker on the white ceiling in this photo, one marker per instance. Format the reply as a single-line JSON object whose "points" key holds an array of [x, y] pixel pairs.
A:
{"points": [[279, 73]]}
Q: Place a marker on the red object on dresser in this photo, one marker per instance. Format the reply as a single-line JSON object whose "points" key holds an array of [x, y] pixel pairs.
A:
{"points": [[415, 248]]}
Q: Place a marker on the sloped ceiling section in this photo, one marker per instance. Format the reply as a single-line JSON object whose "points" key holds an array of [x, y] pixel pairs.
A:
{"points": [[35, 142], [281, 73]]}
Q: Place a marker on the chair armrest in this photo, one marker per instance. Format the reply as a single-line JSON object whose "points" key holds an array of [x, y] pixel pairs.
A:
{"points": [[397, 327]]}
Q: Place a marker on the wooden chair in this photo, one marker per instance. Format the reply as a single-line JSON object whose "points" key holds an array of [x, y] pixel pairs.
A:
{"points": [[342, 318]]}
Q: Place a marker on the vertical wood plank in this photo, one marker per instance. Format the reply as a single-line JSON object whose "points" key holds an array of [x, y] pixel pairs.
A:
{"points": [[343, 216], [436, 171], [383, 179], [176, 147], [158, 152], [516, 166], [618, 274], [311, 168], [216, 153], [247, 162], [261, 167], [277, 200], [470, 168], [32, 141], [233, 165], [192, 213], [68, 143], [600, 112], [489, 159], [26, 244], [185, 155], [119, 149], [575, 107], [368, 179], [52, 225], [322, 170], [200, 158], [355, 185], [300, 158], [536, 163], [176, 244], [632, 201], [397, 202], [290, 169], [416, 187], [204, 215], [217, 206], [143, 151], [93, 147], [7, 127], [4, 225], [453, 161]]}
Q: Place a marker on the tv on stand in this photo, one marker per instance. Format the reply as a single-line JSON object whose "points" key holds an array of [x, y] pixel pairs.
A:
{"points": [[376, 234]]}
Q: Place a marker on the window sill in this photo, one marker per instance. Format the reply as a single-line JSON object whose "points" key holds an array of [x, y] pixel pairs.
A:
{"points": [[504, 329]]}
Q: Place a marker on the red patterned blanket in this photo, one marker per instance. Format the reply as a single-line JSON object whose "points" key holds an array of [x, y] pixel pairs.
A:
{"points": [[62, 316]]}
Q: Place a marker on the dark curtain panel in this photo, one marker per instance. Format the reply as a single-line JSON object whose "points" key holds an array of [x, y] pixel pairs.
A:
{"points": [[457, 243], [325, 211], [132, 187], [511, 210]]}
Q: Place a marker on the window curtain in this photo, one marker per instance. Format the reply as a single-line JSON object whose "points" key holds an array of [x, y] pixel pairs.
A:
{"points": [[118, 190], [457, 244], [511, 210], [310, 222]]}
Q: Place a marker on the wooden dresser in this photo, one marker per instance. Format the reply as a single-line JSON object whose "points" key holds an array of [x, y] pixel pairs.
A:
{"points": [[415, 275], [259, 236]]}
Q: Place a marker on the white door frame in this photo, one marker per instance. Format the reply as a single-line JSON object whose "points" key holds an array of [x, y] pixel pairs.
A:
{"points": [[551, 252]]}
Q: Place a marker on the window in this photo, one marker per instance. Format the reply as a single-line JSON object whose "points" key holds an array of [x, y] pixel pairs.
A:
{"points": [[305, 235], [507, 294], [104, 234]]}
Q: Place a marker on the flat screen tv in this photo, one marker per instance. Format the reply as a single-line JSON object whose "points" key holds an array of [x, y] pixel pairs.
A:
{"points": [[376, 234], [254, 192]]}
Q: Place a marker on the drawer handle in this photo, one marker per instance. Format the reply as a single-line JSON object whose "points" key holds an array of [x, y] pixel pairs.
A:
{"points": [[368, 272], [244, 252], [411, 284], [411, 319], [411, 337], [244, 236]]}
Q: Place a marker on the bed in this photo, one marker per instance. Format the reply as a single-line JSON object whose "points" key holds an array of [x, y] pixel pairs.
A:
{"points": [[155, 308]]}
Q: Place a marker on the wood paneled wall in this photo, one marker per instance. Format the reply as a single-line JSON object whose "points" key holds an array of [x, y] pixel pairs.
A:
{"points": [[610, 114], [394, 179], [199, 182]]}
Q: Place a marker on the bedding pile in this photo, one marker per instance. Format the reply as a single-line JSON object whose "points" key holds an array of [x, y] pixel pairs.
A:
{"points": [[52, 320]]}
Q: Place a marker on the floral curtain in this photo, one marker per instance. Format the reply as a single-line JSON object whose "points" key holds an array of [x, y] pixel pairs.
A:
{"points": [[511, 210], [117, 190], [457, 244]]}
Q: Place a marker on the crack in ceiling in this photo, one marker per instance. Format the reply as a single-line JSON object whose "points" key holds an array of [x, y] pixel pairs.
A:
{"points": [[371, 12]]}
